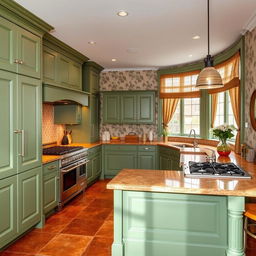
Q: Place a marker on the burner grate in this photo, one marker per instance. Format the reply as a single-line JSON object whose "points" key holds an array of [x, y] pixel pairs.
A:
{"points": [[60, 150]]}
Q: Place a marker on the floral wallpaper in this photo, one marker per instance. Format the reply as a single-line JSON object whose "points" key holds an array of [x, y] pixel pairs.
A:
{"points": [[250, 83], [129, 80], [50, 132]]}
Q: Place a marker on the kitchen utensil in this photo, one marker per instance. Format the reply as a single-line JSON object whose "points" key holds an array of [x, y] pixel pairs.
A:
{"points": [[69, 135], [64, 140], [250, 155]]}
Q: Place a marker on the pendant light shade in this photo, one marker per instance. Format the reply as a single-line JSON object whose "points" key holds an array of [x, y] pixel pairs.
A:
{"points": [[209, 77]]}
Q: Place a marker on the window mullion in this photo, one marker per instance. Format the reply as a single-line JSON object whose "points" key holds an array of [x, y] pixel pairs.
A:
{"points": [[182, 116], [226, 107]]}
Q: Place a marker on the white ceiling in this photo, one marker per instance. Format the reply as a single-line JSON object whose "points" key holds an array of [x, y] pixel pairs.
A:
{"points": [[157, 32]]}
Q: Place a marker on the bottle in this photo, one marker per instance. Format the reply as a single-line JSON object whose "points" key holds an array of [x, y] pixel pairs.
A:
{"points": [[150, 136]]}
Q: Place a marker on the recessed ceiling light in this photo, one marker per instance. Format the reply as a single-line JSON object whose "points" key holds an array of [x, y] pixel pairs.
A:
{"points": [[114, 60], [190, 55], [196, 37], [92, 42], [122, 13]]}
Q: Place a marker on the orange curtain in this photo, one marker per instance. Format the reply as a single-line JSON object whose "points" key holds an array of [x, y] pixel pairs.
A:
{"points": [[235, 103], [181, 85], [169, 108], [214, 108]]}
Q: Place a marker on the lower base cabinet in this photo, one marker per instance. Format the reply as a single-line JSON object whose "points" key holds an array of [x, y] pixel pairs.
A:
{"points": [[94, 165], [21, 197], [8, 210], [169, 159], [51, 185]]}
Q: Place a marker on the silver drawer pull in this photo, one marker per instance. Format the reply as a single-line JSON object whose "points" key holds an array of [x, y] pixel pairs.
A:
{"points": [[146, 148], [22, 132]]}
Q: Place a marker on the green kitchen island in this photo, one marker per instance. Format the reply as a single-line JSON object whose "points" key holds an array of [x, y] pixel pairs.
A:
{"points": [[161, 213]]}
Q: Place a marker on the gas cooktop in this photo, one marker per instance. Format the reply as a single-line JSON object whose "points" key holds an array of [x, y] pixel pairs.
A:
{"points": [[60, 150], [215, 170]]}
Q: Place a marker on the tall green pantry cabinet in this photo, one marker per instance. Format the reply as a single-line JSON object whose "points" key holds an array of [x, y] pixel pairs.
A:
{"points": [[20, 120]]}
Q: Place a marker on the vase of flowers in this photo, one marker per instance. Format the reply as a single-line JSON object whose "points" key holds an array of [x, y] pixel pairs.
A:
{"points": [[223, 132]]}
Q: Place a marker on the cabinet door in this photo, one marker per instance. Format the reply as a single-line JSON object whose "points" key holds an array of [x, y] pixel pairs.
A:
{"points": [[75, 75], [146, 108], [29, 122], [175, 163], [111, 108], [129, 108], [89, 171], [50, 191], [96, 163], [94, 81], [164, 162], [8, 124], [29, 51], [29, 198], [63, 70], [147, 160], [49, 65], [8, 42], [116, 161], [8, 210], [94, 113]]}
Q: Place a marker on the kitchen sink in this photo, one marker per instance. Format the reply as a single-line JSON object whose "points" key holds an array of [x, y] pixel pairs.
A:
{"points": [[184, 145]]}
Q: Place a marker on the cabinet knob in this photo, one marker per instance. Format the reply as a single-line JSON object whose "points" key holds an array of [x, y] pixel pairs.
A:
{"points": [[21, 62], [52, 167], [16, 61]]}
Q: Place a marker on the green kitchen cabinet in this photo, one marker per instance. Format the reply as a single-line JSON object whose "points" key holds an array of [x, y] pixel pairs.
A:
{"points": [[20, 50], [29, 123], [94, 165], [67, 114], [21, 125], [146, 107], [111, 108], [137, 107], [147, 160], [62, 64], [118, 157], [8, 42], [169, 158], [94, 118], [129, 108], [29, 198], [8, 210], [91, 77], [9, 124], [50, 186]]}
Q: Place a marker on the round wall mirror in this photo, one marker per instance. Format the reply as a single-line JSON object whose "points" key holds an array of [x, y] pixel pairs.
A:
{"points": [[253, 110]]}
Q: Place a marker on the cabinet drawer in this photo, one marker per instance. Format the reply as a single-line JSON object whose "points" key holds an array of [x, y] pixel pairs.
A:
{"points": [[121, 147], [146, 148], [50, 167]]}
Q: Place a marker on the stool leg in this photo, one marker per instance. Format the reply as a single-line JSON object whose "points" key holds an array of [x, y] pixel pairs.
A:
{"points": [[245, 231]]}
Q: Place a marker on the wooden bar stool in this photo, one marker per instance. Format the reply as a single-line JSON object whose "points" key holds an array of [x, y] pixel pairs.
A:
{"points": [[250, 213]]}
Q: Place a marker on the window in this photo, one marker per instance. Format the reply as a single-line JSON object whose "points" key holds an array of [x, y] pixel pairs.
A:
{"points": [[186, 117], [224, 111]]}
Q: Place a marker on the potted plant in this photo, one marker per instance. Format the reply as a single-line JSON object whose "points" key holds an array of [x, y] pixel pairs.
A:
{"points": [[165, 135], [223, 132]]}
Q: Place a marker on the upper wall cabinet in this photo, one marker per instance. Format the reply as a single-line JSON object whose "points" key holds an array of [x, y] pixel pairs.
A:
{"points": [[137, 107], [62, 65], [91, 77], [20, 50]]}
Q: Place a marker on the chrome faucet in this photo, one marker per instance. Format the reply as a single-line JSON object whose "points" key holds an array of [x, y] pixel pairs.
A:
{"points": [[194, 142]]}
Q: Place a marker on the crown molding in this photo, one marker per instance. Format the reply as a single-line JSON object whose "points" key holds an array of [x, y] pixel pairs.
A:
{"points": [[251, 24], [129, 69]]}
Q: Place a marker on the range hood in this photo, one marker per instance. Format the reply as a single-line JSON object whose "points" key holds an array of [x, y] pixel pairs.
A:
{"points": [[59, 95]]}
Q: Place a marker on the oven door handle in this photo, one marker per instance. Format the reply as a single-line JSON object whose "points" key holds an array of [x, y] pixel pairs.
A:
{"points": [[74, 166]]}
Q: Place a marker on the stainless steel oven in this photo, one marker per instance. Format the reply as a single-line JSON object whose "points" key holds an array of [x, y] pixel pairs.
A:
{"points": [[73, 178]]}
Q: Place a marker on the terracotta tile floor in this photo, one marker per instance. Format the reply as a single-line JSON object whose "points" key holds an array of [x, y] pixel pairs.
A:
{"points": [[83, 228]]}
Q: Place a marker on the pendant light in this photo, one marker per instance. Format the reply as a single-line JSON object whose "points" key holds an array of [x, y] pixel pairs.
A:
{"points": [[209, 77]]}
